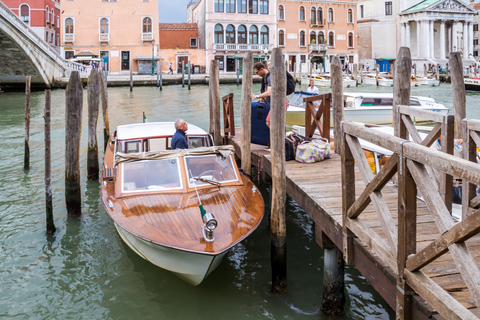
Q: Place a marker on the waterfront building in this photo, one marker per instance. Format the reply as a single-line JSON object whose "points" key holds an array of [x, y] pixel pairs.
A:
{"points": [[227, 29], [430, 28], [312, 32], [123, 34], [476, 33], [43, 16], [179, 43]]}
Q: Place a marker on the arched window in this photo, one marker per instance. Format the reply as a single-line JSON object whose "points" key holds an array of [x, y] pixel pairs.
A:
{"points": [[230, 34], [313, 37], [218, 33], [218, 5], [242, 6], [69, 25], [47, 18], [147, 25], [321, 37], [104, 25], [25, 13], [264, 6], [242, 34], [253, 39], [302, 14], [53, 18], [281, 38], [330, 39], [264, 35], [230, 6], [350, 16], [281, 13], [252, 6], [350, 40], [302, 38], [313, 18], [320, 16], [330, 15]]}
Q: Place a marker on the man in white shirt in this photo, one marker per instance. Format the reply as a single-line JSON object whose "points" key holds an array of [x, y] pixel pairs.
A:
{"points": [[312, 88]]}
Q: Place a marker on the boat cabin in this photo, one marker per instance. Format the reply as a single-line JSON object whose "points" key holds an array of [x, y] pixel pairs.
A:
{"points": [[361, 100]]}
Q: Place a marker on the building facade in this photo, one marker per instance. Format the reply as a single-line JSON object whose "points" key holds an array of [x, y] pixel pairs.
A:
{"points": [[312, 32], [43, 16], [123, 34], [227, 29]]}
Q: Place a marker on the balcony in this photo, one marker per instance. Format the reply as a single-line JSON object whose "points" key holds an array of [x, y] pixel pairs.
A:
{"points": [[69, 37], [241, 47], [147, 36], [104, 37], [315, 47]]}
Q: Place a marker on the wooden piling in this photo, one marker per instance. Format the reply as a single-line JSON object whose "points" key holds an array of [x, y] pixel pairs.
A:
{"points": [[333, 276], [26, 160], [158, 72], [183, 74], [401, 86], [355, 77], [337, 99], [425, 69], [131, 77], [161, 74], [104, 99], [237, 64], [214, 89], [189, 67], [278, 229], [246, 109], [48, 166], [458, 92], [73, 128], [376, 75], [93, 97]]}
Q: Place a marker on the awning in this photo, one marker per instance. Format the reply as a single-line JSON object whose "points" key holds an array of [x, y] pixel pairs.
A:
{"points": [[143, 58], [235, 57], [386, 59]]}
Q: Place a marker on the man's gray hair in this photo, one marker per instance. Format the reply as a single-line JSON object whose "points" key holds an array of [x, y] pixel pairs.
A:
{"points": [[178, 123]]}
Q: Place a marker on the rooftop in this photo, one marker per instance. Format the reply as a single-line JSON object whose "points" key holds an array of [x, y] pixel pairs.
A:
{"points": [[153, 129]]}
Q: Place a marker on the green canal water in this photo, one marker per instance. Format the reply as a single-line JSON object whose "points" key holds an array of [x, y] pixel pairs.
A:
{"points": [[85, 271]]}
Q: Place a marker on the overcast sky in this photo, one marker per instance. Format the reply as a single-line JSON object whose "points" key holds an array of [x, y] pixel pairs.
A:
{"points": [[172, 11]]}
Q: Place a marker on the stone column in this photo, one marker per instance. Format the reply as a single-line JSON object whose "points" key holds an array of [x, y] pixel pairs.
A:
{"points": [[442, 39], [432, 38], [403, 36], [426, 38], [407, 33], [465, 40], [470, 37], [454, 36], [419, 27]]}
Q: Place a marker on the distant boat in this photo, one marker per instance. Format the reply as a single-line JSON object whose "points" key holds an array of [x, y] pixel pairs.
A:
{"points": [[373, 108], [472, 84], [324, 80], [426, 81], [181, 210]]}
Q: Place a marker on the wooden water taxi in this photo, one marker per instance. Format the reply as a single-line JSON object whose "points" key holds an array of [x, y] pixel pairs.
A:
{"points": [[178, 209]]}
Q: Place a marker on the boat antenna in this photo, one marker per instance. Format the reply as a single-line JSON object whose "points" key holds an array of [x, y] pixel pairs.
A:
{"points": [[209, 221]]}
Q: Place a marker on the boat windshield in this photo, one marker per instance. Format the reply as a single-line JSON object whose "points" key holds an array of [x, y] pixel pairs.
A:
{"points": [[151, 175], [350, 102], [215, 168], [297, 99]]}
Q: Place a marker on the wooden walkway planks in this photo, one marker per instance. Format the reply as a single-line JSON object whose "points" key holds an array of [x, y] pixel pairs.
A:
{"points": [[317, 189]]}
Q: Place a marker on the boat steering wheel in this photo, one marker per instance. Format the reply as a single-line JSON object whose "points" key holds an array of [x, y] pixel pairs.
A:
{"points": [[213, 173]]}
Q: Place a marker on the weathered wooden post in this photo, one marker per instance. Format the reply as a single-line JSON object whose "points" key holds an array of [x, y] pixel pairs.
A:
{"points": [[401, 87], [237, 64], [131, 77], [278, 229], [333, 275], [246, 109], [73, 128], [93, 96], [376, 74], [437, 72], [161, 74], [458, 92], [26, 162], [425, 70], [189, 67], [295, 72], [183, 74], [337, 99], [355, 74], [415, 71], [158, 72], [360, 66], [48, 166], [215, 107], [104, 97]]}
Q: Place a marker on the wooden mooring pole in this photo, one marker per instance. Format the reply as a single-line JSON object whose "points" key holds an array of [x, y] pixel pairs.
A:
{"points": [[131, 77], [183, 74], [93, 96], [189, 67], [161, 73], [278, 230], [246, 109], [401, 87], [26, 162], [73, 128], [214, 87], [337, 99], [458, 93], [237, 64], [104, 97], [48, 166]]}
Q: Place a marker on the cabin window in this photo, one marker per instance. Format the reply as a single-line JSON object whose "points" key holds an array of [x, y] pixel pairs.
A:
{"points": [[133, 146], [156, 144], [376, 102], [414, 103], [209, 167], [197, 142], [151, 175]]}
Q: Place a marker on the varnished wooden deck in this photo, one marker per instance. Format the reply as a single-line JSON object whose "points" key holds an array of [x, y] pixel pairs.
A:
{"points": [[317, 188]]}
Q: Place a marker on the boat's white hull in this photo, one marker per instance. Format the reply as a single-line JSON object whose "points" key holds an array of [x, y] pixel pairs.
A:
{"points": [[427, 82], [370, 81], [347, 83], [192, 267], [385, 82]]}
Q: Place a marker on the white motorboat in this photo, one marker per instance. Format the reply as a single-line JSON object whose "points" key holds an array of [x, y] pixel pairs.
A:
{"points": [[427, 81], [324, 80]]}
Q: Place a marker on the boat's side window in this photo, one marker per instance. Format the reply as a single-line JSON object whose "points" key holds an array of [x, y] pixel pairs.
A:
{"points": [[156, 144], [414, 103], [366, 102], [197, 142], [134, 146], [386, 102]]}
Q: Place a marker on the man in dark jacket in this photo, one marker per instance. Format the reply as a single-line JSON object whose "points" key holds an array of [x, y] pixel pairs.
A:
{"points": [[179, 141]]}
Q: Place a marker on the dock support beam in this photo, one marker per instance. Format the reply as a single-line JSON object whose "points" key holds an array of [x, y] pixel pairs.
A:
{"points": [[93, 96], [48, 165], [337, 99], [246, 105], [278, 230], [458, 92], [26, 162], [401, 87], [104, 96], [214, 94]]}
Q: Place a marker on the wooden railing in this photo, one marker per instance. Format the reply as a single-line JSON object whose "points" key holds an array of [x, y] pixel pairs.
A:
{"points": [[318, 115], [228, 118], [470, 199], [413, 162]]}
